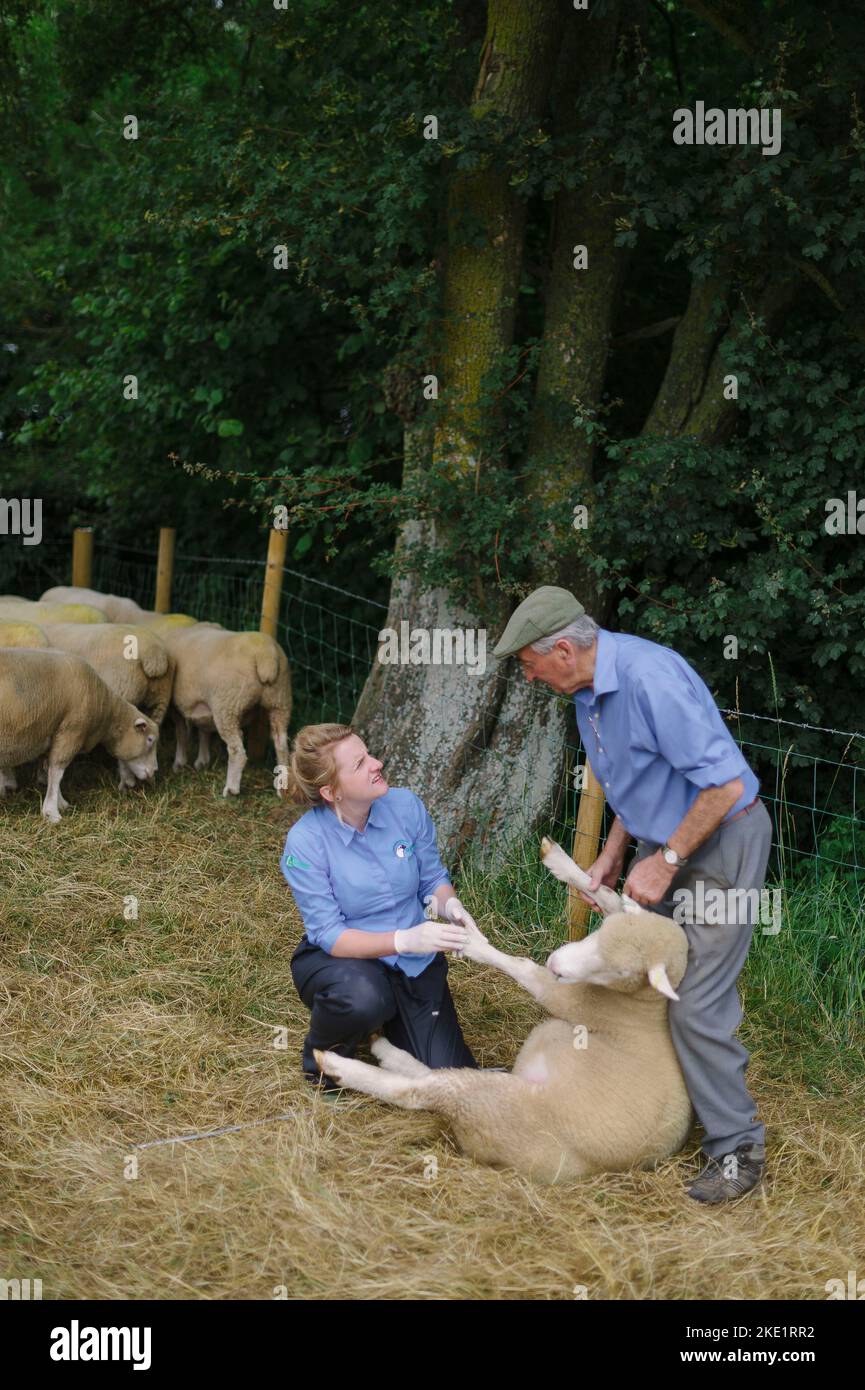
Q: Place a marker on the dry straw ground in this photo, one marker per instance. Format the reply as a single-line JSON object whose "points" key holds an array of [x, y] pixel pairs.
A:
{"points": [[116, 1032]]}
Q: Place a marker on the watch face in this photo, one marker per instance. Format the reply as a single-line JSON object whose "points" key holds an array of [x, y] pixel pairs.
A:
{"points": [[671, 856]]}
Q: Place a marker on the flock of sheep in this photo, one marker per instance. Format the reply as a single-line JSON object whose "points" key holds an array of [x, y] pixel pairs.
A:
{"points": [[80, 668]]}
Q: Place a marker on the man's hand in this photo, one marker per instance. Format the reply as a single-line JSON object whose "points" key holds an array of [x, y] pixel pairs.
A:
{"points": [[649, 880], [606, 870]]}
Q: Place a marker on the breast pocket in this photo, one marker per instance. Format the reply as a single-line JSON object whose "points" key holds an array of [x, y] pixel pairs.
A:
{"points": [[406, 874]]}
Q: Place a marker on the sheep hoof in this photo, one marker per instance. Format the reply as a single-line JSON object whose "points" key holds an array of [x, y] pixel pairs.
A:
{"points": [[230, 791]]}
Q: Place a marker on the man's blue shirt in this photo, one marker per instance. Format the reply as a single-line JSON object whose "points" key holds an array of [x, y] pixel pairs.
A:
{"points": [[654, 736], [374, 880]]}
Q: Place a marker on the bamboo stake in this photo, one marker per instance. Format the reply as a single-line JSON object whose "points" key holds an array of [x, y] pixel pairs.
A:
{"points": [[276, 547], [82, 557], [165, 569], [587, 836]]}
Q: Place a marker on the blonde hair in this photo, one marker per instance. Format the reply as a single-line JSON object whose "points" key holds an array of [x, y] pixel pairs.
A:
{"points": [[312, 764]]}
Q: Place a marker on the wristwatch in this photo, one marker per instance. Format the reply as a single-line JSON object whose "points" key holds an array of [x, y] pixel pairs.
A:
{"points": [[672, 857]]}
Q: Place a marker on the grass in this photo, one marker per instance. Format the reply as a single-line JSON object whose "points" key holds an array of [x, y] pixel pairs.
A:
{"points": [[118, 1030]]}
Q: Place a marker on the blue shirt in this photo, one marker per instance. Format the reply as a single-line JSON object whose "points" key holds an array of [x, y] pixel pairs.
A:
{"points": [[654, 736], [370, 880]]}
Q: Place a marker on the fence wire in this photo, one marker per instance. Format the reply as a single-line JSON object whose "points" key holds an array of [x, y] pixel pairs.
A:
{"points": [[331, 638]]}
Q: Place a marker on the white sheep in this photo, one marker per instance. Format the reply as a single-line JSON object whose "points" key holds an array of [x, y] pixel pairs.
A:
{"points": [[21, 635], [53, 703], [132, 660], [222, 678], [113, 607], [14, 609], [596, 1088]]}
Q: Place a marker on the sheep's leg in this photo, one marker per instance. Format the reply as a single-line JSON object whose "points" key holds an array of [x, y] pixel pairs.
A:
{"points": [[54, 802], [554, 996], [279, 733], [42, 772], [228, 729], [8, 780], [181, 730], [203, 759], [127, 778], [396, 1059], [392, 1086]]}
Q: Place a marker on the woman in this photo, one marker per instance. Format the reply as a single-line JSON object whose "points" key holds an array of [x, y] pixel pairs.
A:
{"points": [[364, 869]]}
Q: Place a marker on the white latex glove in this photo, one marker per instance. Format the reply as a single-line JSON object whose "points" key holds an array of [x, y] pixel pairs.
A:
{"points": [[430, 936], [455, 912]]}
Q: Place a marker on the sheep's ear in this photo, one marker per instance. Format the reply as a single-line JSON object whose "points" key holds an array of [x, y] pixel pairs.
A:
{"points": [[659, 980]]}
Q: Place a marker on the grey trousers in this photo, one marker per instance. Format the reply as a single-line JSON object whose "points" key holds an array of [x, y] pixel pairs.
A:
{"points": [[704, 1021]]}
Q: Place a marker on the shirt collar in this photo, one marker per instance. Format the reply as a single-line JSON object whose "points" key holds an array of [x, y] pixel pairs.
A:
{"points": [[605, 677], [345, 832]]}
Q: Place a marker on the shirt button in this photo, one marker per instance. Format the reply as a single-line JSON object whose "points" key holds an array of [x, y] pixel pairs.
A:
{"points": [[606, 784]]}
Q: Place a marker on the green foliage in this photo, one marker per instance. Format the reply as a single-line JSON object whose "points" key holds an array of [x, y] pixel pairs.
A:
{"points": [[259, 386]]}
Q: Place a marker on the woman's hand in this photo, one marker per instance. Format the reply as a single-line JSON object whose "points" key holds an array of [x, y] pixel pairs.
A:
{"points": [[455, 912], [430, 936]]}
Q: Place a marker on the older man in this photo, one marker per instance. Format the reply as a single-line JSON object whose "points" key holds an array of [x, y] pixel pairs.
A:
{"points": [[680, 786]]}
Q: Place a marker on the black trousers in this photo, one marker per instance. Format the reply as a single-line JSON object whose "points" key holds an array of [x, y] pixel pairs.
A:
{"points": [[349, 999]]}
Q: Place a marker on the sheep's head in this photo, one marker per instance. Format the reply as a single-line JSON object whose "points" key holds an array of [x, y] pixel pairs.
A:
{"points": [[134, 743], [628, 952], [632, 949]]}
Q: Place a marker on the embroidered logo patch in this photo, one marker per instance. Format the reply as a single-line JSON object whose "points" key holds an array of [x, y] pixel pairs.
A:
{"points": [[403, 848], [292, 862]]}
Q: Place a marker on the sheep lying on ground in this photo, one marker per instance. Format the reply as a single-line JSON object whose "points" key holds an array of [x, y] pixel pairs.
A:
{"points": [[54, 703], [222, 678], [113, 608], [132, 661], [597, 1088]]}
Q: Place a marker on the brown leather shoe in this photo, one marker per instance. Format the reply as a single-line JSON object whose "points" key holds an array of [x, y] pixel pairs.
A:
{"points": [[724, 1179]]}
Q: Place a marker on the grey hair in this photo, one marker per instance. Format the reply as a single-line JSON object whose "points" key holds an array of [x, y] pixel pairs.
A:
{"points": [[580, 633]]}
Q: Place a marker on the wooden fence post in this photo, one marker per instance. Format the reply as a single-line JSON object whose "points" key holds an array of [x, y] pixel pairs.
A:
{"points": [[165, 569], [276, 547], [82, 557], [587, 836]]}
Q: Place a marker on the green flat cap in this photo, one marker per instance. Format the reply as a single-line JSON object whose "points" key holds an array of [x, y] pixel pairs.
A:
{"points": [[545, 611]]}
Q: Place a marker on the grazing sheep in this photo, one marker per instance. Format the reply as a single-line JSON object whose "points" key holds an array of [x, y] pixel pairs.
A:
{"points": [[54, 703], [596, 1088], [222, 679], [113, 608], [16, 610], [132, 661]]}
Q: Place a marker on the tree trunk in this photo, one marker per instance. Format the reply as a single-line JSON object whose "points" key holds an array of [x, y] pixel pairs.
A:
{"points": [[579, 308], [482, 748]]}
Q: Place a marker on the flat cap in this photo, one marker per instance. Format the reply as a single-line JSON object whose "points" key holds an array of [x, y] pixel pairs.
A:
{"points": [[545, 611]]}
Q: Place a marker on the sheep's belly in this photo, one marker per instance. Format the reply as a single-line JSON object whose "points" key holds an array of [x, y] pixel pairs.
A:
{"points": [[201, 715], [21, 748]]}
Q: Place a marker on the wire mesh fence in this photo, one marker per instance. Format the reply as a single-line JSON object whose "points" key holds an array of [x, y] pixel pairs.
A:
{"points": [[812, 778]]}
